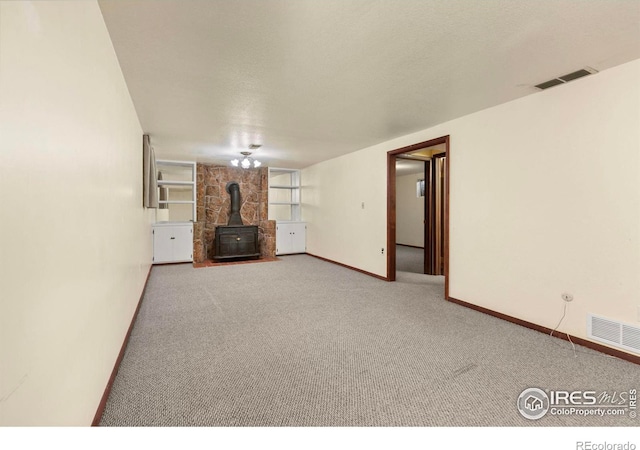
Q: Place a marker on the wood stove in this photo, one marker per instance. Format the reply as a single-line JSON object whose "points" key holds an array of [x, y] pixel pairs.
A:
{"points": [[235, 240]]}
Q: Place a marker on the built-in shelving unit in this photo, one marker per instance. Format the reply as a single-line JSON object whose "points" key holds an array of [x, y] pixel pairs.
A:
{"points": [[284, 195], [284, 208], [176, 191]]}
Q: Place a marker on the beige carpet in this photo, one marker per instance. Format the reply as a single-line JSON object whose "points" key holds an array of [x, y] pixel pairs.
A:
{"points": [[409, 259], [302, 342]]}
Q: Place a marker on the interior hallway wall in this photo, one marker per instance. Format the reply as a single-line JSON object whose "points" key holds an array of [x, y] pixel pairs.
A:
{"points": [[545, 199], [75, 244], [409, 211]]}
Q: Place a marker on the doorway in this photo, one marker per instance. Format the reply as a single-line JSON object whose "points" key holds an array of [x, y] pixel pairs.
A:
{"points": [[435, 154], [411, 198]]}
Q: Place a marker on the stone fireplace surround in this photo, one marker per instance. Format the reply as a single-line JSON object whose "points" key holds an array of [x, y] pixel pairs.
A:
{"points": [[213, 204]]}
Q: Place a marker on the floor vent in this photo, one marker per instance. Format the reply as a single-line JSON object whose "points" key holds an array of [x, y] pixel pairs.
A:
{"points": [[566, 78], [616, 334]]}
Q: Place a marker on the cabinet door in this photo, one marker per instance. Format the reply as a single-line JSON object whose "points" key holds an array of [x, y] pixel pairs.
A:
{"points": [[162, 244], [290, 238], [283, 238], [182, 243], [298, 238]]}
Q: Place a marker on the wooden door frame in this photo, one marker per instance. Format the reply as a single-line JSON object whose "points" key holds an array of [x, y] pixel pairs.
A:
{"points": [[431, 214], [391, 206], [428, 225]]}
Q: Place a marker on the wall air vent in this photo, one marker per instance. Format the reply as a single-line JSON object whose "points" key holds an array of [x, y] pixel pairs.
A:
{"points": [[614, 333], [566, 78]]}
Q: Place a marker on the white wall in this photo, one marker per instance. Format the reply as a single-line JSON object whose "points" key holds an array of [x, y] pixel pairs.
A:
{"points": [[338, 227], [409, 211], [75, 245], [545, 198]]}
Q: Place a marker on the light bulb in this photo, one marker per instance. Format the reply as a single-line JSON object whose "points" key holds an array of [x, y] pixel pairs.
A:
{"points": [[235, 162], [256, 163], [245, 163]]}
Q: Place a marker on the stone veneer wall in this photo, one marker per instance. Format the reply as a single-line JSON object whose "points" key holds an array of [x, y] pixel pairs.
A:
{"points": [[214, 203]]}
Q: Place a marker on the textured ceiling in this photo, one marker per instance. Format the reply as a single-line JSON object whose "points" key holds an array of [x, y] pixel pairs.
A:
{"points": [[314, 79]]}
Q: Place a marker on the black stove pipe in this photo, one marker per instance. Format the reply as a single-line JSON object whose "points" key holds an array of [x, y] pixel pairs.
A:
{"points": [[233, 189]]}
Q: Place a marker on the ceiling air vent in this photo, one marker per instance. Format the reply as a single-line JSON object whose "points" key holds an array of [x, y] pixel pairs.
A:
{"points": [[566, 78]]}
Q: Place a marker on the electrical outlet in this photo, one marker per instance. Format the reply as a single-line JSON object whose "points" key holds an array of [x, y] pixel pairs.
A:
{"points": [[382, 251], [567, 297]]}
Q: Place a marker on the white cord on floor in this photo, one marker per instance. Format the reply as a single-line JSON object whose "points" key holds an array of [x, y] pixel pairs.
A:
{"points": [[564, 313]]}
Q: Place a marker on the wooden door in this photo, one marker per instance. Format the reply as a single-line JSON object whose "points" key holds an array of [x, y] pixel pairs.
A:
{"points": [[435, 204]]}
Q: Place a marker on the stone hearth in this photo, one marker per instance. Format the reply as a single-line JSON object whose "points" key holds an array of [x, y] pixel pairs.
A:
{"points": [[213, 204]]}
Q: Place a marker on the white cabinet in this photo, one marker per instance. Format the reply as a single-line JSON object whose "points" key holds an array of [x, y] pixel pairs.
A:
{"points": [[291, 237], [172, 242]]}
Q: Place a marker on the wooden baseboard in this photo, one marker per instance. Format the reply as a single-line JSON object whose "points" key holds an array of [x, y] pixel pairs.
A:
{"points": [[114, 372], [576, 340], [350, 267]]}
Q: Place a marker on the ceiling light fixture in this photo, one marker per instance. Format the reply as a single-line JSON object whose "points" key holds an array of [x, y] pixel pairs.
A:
{"points": [[246, 162]]}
